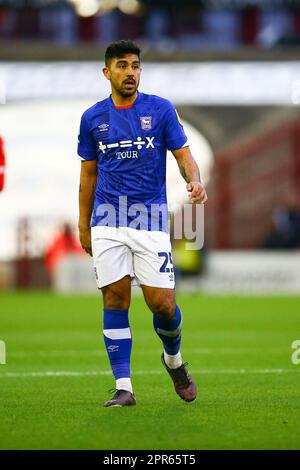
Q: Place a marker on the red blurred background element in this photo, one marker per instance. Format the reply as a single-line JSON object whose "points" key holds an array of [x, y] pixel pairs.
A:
{"points": [[2, 165], [65, 242]]}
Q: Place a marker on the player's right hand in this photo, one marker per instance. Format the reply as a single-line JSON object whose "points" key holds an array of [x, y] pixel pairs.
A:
{"points": [[85, 240]]}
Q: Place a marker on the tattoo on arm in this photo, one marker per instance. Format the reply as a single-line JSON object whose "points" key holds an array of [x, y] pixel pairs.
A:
{"points": [[183, 172], [93, 187]]}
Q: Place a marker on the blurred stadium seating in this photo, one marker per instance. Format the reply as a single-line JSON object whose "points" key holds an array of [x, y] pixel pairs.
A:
{"points": [[165, 24], [250, 179]]}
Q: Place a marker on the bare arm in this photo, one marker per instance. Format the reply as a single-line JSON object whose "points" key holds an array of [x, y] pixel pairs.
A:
{"points": [[190, 172], [88, 177]]}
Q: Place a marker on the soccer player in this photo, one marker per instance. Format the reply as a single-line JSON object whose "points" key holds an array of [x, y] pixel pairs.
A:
{"points": [[123, 221]]}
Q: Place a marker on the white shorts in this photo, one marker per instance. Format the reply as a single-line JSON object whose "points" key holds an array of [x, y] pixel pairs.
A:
{"points": [[144, 255]]}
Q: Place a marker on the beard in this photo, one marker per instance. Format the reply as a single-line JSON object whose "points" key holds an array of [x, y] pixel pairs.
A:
{"points": [[126, 93], [128, 88]]}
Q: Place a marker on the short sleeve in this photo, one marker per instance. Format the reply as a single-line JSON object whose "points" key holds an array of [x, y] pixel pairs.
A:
{"points": [[174, 132], [86, 145]]}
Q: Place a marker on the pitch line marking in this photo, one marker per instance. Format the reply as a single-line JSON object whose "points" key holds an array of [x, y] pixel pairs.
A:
{"points": [[62, 373], [99, 352]]}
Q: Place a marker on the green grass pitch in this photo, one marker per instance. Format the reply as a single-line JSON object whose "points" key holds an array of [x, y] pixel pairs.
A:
{"points": [[57, 377]]}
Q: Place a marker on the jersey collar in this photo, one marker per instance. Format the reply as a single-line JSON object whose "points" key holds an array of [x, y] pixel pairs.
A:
{"points": [[127, 106]]}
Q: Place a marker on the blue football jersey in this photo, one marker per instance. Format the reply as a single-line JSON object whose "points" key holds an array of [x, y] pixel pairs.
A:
{"points": [[130, 144]]}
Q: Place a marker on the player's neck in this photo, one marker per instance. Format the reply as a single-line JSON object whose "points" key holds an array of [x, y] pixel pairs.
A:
{"points": [[120, 100]]}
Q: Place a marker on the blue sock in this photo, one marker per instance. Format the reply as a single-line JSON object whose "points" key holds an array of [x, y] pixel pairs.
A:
{"points": [[118, 341], [169, 332]]}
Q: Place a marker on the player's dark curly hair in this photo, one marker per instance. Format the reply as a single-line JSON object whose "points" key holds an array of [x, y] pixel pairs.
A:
{"points": [[119, 49]]}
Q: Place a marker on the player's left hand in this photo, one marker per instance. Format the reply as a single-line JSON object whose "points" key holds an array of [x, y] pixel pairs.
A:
{"points": [[197, 192]]}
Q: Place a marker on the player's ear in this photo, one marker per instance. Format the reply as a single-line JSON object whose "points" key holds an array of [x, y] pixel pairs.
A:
{"points": [[106, 72]]}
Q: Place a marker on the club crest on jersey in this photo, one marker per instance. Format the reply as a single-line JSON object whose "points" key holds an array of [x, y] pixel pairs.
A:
{"points": [[146, 122]]}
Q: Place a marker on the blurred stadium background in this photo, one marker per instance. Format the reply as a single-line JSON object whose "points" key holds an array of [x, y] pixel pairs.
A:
{"points": [[232, 69], [235, 81]]}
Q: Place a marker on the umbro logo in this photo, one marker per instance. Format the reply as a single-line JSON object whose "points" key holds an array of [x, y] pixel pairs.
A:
{"points": [[103, 127], [113, 348]]}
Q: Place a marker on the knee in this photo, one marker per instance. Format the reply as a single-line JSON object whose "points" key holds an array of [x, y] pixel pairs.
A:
{"points": [[115, 299], [164, 308]]}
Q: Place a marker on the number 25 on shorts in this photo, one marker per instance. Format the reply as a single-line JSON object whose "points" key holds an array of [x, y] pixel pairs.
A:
{"points": [[167, 259]]}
